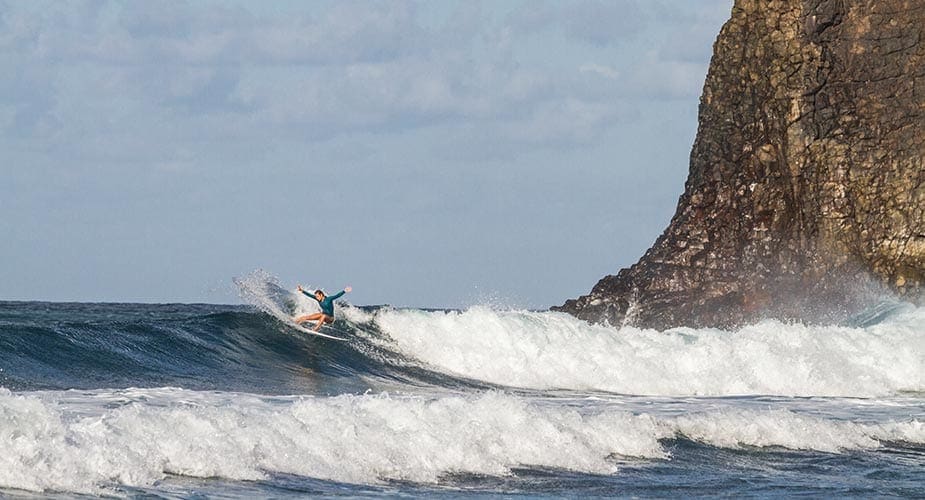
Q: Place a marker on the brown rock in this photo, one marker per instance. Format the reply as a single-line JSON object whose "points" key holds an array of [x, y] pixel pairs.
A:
{"points": [[806, 191]]}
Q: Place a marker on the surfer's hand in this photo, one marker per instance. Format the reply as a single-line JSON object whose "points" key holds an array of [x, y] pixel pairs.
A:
{"points": [[348, 289], [299, 288]]}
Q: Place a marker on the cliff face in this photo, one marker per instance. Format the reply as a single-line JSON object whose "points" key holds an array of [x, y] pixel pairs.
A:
{"points": [[806, 182]]}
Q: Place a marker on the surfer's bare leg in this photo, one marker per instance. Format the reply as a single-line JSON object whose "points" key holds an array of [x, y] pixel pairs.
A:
{"points": [[308, 317], [322, 320]]}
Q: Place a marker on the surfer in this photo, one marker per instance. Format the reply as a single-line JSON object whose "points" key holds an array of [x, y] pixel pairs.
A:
{"points": [[326, 316]]}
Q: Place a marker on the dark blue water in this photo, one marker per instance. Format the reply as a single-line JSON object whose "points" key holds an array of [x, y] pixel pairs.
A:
{"points": [[185, 400], [200, 347]]}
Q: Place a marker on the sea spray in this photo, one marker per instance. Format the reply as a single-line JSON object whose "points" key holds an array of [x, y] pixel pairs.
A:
{"points": [[85, 442], [264, 291], [543, 350], [547, 350]]}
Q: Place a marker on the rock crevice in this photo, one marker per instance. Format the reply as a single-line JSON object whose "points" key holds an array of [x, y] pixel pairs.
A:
{"points": [[806, 186]]}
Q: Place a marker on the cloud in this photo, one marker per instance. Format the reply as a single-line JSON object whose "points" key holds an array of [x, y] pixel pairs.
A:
{"points": [[28, 99], [692, 40], [183, 73], [595, 22], [194, 122], [206, 90], [346, 33], [603, 23], [600, 70]]}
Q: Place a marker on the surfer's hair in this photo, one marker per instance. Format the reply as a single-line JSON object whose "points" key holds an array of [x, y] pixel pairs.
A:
{"points": [[319, 291]]}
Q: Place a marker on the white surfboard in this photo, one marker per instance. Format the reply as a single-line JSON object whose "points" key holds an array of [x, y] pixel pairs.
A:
{"points": [[312, 332]]}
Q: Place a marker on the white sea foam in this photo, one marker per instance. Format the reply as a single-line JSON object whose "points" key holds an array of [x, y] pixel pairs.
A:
{"points": [[542, 350], [361, 439], [264, 291], [84, 442]]}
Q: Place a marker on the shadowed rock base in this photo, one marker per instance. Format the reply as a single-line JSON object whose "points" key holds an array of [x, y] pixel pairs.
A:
{"points": [[806, 192]]}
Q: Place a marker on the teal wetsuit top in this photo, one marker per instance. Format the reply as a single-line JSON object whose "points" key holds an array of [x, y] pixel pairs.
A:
{"points": [[327, 305]]}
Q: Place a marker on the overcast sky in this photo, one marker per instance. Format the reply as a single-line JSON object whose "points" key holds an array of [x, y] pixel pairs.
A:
{"points": [[432, 154]]}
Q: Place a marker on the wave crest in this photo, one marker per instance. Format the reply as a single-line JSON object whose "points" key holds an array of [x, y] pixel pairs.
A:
{"points": [[542, 350], [85, 442]]}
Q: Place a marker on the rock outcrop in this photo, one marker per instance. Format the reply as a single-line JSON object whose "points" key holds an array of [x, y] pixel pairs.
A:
{"points": [[807, 177]]}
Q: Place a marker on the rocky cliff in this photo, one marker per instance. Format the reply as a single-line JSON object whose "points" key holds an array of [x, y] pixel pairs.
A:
{"points": [[807, 184]]}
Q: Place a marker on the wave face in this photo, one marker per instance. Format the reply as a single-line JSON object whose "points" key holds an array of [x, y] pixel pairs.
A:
{"points": [[131, 399], [240, 348], [85, 442], [63, 346]]}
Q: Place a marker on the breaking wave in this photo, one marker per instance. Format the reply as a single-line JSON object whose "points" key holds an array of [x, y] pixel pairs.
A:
{"points": [[238, 348], [82, 442]]}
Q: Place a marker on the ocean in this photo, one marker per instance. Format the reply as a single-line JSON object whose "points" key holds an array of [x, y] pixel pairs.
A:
{"points": [[196, 400]]}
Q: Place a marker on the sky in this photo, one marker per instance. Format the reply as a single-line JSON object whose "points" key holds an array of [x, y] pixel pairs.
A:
{"points": [[428, 153]]}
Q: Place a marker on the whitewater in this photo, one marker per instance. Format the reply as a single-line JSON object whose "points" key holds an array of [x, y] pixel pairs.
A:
{"points": [[196, 399]]}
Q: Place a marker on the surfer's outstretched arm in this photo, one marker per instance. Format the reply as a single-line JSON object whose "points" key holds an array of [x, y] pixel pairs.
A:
{"points": [[305, 293]]}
